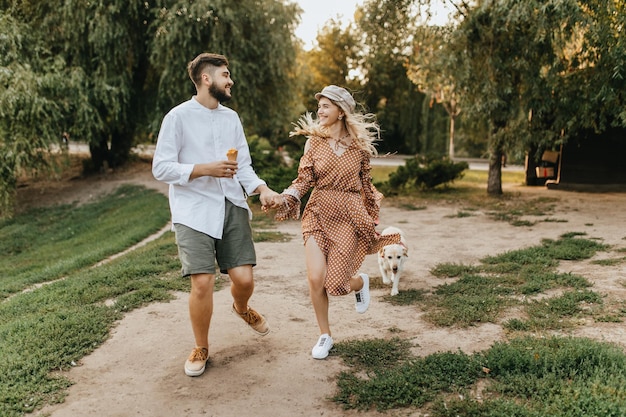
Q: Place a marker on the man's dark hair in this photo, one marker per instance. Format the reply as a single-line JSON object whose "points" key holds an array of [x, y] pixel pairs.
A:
{"points": [[198, 65]]}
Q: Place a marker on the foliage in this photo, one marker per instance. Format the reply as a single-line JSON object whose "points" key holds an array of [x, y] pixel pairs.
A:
{"points": [[270, 164], [526, 68], [385, 28], [375, 354], [106, 72], [425, 172], [329, 62]]}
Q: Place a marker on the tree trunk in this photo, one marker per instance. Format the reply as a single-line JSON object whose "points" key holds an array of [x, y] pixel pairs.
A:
{"points": [[99, 154], [494, 180], [121, 143], [451, 150]]}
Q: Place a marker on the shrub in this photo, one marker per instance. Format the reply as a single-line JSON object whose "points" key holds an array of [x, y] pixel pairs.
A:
{"points": [[425, 172]]}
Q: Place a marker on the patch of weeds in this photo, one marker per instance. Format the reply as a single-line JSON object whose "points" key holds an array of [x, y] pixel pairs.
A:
{"points": [[620, 250], [409, 383], [609, 318], [482, 292], [557, 377], [527, 376], [460, 214], [551, 313], [512, 210], [453, 270], [372, 354], [406, 297], [570, 249], [536, 281], [412, 207], [535, 255], [552, 220], [472, 299], [270, 236], [516, 325], [522, 223], [608, 262], [572, 234]]}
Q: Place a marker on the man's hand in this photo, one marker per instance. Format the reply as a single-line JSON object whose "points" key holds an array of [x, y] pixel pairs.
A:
{"points": [[267, 197], [218, 169]]}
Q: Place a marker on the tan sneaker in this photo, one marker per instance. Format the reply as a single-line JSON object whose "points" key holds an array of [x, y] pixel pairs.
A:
{"points": [[256, 321], [196, 363]]}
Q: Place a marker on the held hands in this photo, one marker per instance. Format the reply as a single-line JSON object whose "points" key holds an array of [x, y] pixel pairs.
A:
{"points": [[271, 201], [276, 201], [266, 195]]}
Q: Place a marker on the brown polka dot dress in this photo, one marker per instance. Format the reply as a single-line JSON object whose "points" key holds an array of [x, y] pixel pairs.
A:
{"points": [[342, 211]]}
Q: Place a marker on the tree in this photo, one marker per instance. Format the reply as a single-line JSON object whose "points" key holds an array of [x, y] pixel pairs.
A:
{"points": [[508, 47], [431, 67], [330, 61], [386, 28], [33, 104], [107, 71]]}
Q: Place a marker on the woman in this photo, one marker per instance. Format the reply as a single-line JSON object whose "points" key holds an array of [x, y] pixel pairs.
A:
{"points": [[338, 222]]}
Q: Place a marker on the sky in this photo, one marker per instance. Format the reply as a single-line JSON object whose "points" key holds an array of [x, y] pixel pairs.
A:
{"points": [[318, 12]]}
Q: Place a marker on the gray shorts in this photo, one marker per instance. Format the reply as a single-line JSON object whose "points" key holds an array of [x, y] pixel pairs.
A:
{"points": [[198, 251]]}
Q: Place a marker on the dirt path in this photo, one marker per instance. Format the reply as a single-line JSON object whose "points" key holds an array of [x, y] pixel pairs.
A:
{"points": [[138, 371]]}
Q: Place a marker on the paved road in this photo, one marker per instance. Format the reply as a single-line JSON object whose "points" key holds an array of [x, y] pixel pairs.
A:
{"points": [[390, 160]]}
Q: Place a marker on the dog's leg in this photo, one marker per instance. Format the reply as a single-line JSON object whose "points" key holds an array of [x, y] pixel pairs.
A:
{"points": [[396, 280]]}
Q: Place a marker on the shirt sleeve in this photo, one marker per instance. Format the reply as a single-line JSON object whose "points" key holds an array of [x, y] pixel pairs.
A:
{"points": [[165, 165]]}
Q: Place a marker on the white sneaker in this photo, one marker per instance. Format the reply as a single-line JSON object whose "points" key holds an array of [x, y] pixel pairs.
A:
{"points": [[322, 347], [363, 295]]}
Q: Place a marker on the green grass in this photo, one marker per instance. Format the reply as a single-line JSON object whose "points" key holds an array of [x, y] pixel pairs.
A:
{"points": [[56, 325], [481, 293], [528, 376], [48, 329], [45, 244]]}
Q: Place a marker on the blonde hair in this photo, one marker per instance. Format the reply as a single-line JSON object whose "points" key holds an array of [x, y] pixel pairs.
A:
{"points": [[361, 126]]}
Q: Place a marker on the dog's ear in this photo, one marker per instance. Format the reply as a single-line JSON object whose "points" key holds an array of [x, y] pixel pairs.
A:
{"points": [[405, 252]]}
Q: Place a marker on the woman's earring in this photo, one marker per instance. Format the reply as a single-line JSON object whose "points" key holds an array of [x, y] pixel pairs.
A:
{"points": [[340, 117]]}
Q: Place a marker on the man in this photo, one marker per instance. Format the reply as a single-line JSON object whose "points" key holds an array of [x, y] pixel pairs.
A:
{"points": [[210, 214]]}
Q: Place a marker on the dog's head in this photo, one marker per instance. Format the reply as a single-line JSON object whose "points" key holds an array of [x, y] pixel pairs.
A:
{"points": [[394, 255]]}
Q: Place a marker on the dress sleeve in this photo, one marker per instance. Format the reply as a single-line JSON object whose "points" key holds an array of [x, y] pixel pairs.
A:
{"points": [[371, 196], [290, 209]]}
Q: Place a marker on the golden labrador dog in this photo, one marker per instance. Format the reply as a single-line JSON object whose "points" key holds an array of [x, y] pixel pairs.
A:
{"points": [[391, 259]]}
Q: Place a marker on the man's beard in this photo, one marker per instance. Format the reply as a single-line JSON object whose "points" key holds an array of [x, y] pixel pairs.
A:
{"points": [[219, 95]]}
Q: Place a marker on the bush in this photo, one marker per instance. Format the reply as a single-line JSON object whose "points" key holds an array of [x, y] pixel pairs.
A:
{"points": [[425, 172], [270, 164]]}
